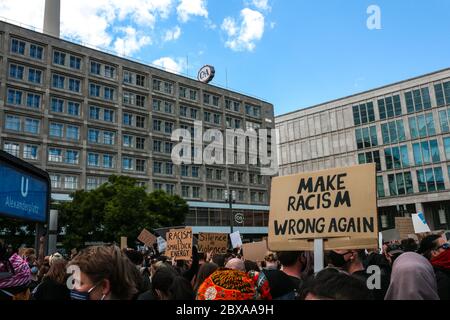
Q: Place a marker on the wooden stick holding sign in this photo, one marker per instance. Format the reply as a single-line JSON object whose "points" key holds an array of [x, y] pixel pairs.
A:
{"points": [[325, 210]]}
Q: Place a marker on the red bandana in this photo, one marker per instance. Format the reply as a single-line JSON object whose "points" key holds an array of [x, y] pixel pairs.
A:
{"points": [[442, 260]]}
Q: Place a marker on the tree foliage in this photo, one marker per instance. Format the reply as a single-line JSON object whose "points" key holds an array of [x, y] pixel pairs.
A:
{"points": [[118, 208]]}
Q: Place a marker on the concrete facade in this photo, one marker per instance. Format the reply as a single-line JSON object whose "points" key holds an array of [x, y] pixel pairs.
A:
{"points": [[83, 115], [403, 127]]}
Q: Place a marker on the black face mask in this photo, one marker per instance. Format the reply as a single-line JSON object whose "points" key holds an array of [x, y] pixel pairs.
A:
{"points": [[337, 259]]}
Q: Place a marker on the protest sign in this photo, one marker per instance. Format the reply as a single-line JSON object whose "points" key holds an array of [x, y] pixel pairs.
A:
{"points": [[391, 235], [255, 251], [147, 238], [419, 223], [162, 244], [236, 240], [179, 244], [123, 243], [404, 226], [337, 205], [217, 243]]}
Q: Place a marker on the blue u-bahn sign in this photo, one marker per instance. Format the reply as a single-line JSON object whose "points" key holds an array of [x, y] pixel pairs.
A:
{"points": [[24, 190]]}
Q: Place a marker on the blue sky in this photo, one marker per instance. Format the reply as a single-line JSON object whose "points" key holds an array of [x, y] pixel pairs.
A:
{"points": [[292, 53]]}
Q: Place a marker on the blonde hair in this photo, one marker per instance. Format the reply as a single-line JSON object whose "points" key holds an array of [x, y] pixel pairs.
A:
{"points": [[271, 257]]}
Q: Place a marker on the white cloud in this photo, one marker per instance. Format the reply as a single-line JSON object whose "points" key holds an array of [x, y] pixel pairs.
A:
{"points": [[260, 4], [169, 64], [172, 35], [251, 30], [131, 42], [91, 21], [188, 8]]}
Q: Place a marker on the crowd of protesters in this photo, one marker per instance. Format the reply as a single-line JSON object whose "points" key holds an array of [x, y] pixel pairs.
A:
{"points": [[405, 270]]}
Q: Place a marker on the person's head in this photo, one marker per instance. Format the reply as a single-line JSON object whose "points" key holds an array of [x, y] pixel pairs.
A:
{"points": [[135, 257], [271, 260], [412, 278], [219, 259], [57, 271], [409, 245], [235, 264], [432, 246], [290, 258], [201, 257], [250, 266], [167, 284], [204, 272], [55, 257], [105, 273], [330, 284], [344, 259]]}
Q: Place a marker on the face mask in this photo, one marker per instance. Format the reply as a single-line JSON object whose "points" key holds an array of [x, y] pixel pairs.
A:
{"points": [[85, 296], [337, 259]]}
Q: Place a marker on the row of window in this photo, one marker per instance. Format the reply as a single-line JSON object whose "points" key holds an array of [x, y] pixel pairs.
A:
{"points": [[19, 72]]}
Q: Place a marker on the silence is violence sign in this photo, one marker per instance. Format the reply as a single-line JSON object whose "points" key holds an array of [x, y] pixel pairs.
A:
{"points": [[337, 205]]}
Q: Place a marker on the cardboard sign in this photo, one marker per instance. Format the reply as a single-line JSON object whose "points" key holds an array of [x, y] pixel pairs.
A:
{"points": [[123, 243], [419, 223], [217, 243], [404, 226], [162, 244], [337, 205], [236, 240], [391, 235], [179, 244], [147, 238], [255, 251]]}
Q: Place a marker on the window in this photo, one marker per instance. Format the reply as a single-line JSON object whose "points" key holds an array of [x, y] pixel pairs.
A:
{"points": [[127, 77], [168, 107], [32, 126], [56, 181], [156, 125], [442, 91], [393, 132], [156, 85], [58, 81], [72, 132], [194, 113], [168, 127], [447, 147], [430, 180], [36, 51], [195, 172], [207, 116], [400, 184], [109, 93], [185, 191], [74, 85], [168, 146], [110, 72], [71, 183], [108, 115], [55, 155], [95, 68], [56, 130], [193, 95], [140, 122], [196, 192], [14, 97], [17, 46], [168, 88], [140, 165], [71, 157], [366, 137], [418, 100], [33, 100], [34, 76], [156, 105], [206, 98], [183, 111], [426, 152], [140, 101], [169, 168], [389, 107], [127, 141], [380, 187], [30, 152], [217, 119], [108, 161], [140, 143], [253, 111], [73, 108], [127, 163], [94, 136], [94, 113], [94, 90], [127, 119], [140, 80], [93, 160], [368, 157], [396, 158], [108, 138], [422, 126], [59, 58], [16, 71], [12, 123], [75, 62], [156, 146], [216, 101], [57, 105], [182, 92], [12, 148]]}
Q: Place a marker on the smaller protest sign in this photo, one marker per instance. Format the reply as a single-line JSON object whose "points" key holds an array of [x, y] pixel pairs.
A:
{"points": [[162, 244], [391, 235], [236, 240], [123, 243], [255, 251], [420, 224], [404, 226], [147, 238], [217, 243]]}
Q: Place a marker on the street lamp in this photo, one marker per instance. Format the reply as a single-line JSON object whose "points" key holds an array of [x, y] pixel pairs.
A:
{"points": [[230, 197]]}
